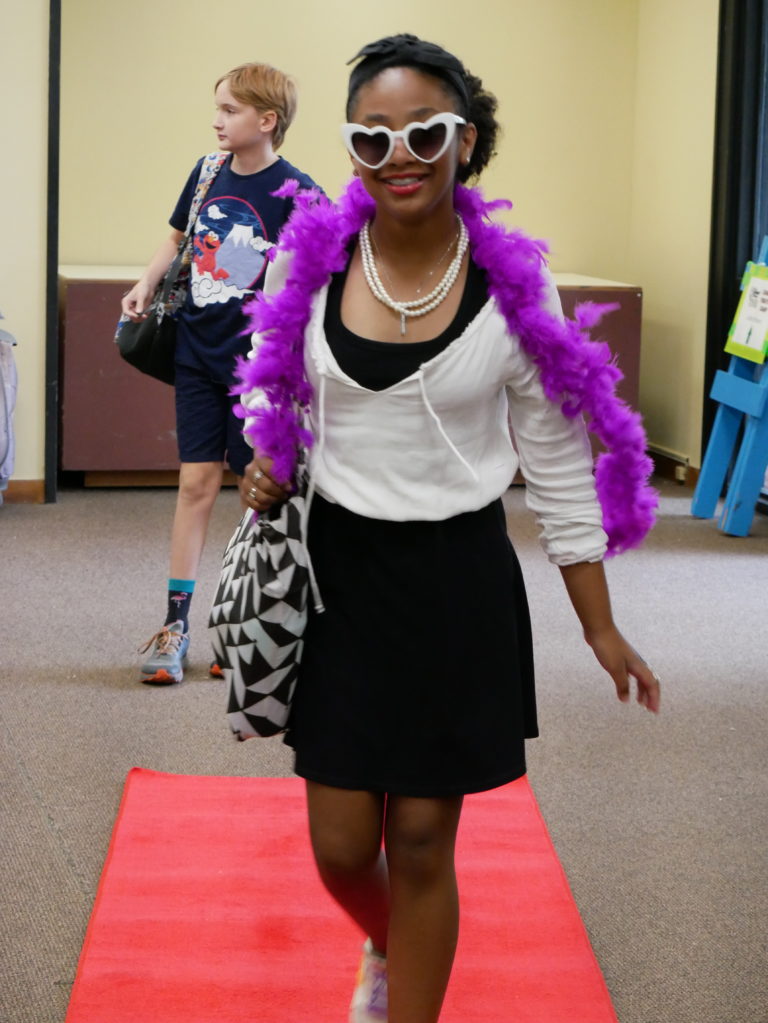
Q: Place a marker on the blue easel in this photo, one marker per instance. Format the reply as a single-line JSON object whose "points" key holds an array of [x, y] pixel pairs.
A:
{"points": [[742, 392]]}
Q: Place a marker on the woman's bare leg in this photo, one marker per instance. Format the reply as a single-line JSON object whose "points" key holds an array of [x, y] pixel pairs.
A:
{"points": [[420, 839], [346, 831], [406, 900]]}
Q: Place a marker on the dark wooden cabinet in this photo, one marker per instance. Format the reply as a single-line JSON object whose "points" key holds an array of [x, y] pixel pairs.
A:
{"points": [[113, 418], [118, 422], [620, 329]]}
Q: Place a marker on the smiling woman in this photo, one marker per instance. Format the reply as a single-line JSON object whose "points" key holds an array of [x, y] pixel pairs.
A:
{"points": [[407, 142], [411, 331]]}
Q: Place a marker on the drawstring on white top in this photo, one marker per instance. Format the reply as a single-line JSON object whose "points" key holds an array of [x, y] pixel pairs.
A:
{"points": [[441, 428], [314, 588]]}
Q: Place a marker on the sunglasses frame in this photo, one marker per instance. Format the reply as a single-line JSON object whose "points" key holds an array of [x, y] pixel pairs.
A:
{"points": [[451, 121]]}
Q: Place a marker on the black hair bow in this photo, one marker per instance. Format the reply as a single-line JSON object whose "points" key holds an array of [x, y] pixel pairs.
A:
{"points": [[409, 47]]}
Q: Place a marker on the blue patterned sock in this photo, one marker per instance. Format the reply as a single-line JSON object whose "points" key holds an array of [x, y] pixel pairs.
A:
{"points": [[179, 598]]}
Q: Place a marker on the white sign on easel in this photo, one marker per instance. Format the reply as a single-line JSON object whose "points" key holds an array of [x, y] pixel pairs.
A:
{"points": [[748, 336]]}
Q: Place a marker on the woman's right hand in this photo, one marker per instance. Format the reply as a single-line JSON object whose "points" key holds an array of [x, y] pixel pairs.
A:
{"points": [[136, 301], [259, 490]]}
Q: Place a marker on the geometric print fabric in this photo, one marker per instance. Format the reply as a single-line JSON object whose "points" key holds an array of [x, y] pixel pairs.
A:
{"points": [[259, 615]]}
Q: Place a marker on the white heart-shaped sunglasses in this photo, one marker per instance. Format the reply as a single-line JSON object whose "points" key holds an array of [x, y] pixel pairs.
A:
{"points": [[426, 140]]}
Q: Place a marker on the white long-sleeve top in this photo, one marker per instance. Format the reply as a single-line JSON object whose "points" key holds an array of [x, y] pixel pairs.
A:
{"points": [[438, 443]]}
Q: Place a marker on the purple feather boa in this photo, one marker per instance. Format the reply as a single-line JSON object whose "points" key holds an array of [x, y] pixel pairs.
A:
{"points": [[575, 371]]}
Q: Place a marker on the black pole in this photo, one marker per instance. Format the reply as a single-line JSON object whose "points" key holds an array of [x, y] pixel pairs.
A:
{"points": [[52, 259], [737, 185]]}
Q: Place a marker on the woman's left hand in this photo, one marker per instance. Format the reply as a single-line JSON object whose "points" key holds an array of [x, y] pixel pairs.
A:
{"points": [[623, 662]]}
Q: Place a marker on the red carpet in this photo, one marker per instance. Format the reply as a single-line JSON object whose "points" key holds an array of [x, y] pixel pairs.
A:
{"points": [[209, 911]]}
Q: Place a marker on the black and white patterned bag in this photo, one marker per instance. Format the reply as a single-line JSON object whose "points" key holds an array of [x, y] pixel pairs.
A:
{"points": [[259, 614]]}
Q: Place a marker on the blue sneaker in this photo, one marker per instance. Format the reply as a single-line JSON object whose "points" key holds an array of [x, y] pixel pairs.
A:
{"points": [[165, 665]]}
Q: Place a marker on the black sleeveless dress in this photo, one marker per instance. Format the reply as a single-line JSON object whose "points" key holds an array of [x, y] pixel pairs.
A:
{"points": [[417, 679]]}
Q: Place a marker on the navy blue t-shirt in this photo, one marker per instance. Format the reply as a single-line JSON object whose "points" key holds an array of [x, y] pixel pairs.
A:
{"points": [[238, 222]]}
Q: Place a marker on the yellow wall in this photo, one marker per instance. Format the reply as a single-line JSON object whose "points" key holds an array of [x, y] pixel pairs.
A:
{"points": [[23, 183], [607, 106], [670, 219], [563, 71]]}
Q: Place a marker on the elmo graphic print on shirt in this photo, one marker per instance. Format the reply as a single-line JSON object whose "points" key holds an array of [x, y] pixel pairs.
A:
{"points": [[229, 251]]}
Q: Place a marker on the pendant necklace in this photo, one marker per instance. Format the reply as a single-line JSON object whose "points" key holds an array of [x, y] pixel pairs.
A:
{"points": [[426, 303], [377, 253]]}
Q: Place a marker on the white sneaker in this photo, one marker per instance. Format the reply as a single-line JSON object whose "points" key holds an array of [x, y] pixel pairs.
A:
{"points": [[369, 1002]]}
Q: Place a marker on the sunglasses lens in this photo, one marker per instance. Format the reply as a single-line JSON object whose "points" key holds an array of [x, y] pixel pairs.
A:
{"points": [[370, 149], [426, 143]]}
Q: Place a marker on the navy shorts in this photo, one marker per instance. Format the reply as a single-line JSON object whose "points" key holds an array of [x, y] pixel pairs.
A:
{"points": [[207, 429]]}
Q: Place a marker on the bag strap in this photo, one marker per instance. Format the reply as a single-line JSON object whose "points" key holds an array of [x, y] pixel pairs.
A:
{"points": [[210, 167]]}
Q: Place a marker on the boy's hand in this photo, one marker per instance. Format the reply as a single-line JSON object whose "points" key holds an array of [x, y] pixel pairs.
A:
{"points": [[136, 301]]}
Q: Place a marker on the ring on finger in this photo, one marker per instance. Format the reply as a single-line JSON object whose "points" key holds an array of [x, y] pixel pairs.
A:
{"points": [[257, 476], [253, 493]]}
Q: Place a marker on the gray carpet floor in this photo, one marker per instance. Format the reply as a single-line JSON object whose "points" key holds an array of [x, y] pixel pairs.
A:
{"points": [[660, 823]]}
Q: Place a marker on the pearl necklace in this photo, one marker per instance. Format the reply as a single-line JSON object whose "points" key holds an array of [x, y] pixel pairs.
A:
{"points": [[417, 306], [377, 255]]}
